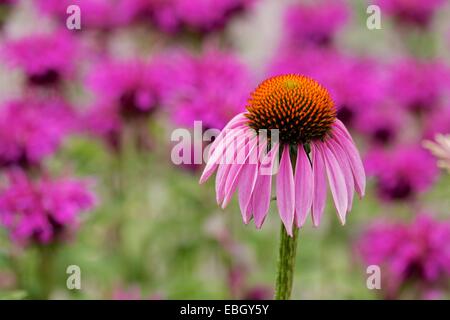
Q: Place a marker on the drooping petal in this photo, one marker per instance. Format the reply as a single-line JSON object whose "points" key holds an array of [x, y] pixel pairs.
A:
{"points": [[221, 176], [262, 193], [247, 183], [336, 181], [320, 185], [354, 159], [220, 151], [236, 122], [304, 186], [235, 170], [342, 159], [285, 191]]}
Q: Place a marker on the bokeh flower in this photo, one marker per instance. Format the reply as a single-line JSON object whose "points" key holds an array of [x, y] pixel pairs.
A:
{"points": [[303, 113], [419, 86], [45, 59], [314, 24], [31, 130], [401, 173], [211, 87], [201, 16], [98, 14], [45, 210], [416, 253], [134, 87], [411, 12]]}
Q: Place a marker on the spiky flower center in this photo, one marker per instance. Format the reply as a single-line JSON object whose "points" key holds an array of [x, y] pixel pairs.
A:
{"points": [[299, 107]]}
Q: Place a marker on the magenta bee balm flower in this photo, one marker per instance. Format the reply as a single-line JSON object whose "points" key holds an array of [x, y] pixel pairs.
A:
{"points": [[416, 253], [42, 211], [310, 137]]}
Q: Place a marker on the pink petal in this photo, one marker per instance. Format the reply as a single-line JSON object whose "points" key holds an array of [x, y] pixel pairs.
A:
{"points": [[354, 159], [237, 121], [262, 193], [219, 152], [320, 185], [304, 186], [235, 170], [247, 183], [285, 191], [342, 159], [336, 180]]}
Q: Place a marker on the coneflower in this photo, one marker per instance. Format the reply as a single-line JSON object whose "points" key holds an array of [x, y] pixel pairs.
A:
{"points": [[303, 115]]}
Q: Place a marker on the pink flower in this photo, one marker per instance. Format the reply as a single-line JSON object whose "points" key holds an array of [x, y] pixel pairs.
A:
{"points": [[201, 15], [134, 87], [440, 149], [419, 86], [44, 210], [401, 173], [409, 253], [102, 14], [314, 24], [211, 87], [31, 130], [303, 115], [413, 12], [46, 59]]}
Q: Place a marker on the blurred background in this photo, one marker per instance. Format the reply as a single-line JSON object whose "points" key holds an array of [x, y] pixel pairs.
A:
{"points": [[86, 118]]}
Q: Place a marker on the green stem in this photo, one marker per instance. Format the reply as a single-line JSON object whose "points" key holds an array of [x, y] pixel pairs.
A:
{"points": [[286, 264]]}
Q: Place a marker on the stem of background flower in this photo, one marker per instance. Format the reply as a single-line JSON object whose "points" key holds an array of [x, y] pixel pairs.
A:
{"points": [[286, 264], [45, 271]]}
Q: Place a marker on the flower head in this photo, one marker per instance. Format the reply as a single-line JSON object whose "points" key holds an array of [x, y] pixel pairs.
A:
{"points": [[401, 173], [101, 14], [409, 253], [42, 211], [46, 59], [301, 113], [202, 16], [411, 12], [419, 86], [133, 87], [314, 24], [31, 130]]}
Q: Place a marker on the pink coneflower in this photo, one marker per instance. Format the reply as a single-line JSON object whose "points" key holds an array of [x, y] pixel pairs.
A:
{"points": [[211, 87], [31, 130], [42, 211], [314, 24], [411, 12], [440, 149], [303, 112], [401, 173], [416, 253], [46, 59], [301, 117], [202, 16]]}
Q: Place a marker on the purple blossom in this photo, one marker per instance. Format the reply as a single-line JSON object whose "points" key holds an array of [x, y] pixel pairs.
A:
{"points": [[416, 253], [44, 210], [314, 24], [211, 87], [99, 14], [31, 130], [134, 87], [201, 16], [411, 12], [401, 173], [46, 59], [419, 86]]}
